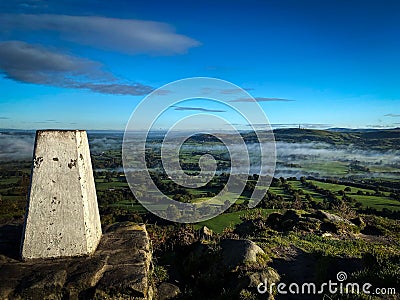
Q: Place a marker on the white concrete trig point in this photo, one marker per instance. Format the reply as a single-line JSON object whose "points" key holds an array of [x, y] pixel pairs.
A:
{"points": [[62, 217]]}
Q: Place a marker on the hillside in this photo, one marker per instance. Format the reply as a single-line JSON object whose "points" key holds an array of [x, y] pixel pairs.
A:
{"points": [[385, 139]]}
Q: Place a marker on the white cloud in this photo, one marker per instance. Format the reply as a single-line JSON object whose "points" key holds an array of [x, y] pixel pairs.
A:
{"points": [[34, 64], [122, 35], [261, 99]]}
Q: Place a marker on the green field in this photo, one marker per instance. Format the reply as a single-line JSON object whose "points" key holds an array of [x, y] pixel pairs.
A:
{"points": [[378, 202], [332, 168], [316, 196], [373, 201], [219, 223]]}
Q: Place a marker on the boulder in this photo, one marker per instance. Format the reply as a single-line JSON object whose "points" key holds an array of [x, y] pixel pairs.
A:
{"points": [[236, 252], [167, 291], [46, 284], [247, 284], [334, 223], [120, 268], [269, 275], [326, 235], [309, 224], [206, 233], [325, 216]]}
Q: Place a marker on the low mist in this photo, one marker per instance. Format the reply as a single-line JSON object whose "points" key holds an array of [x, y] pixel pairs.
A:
{"points": [[293, 159]]}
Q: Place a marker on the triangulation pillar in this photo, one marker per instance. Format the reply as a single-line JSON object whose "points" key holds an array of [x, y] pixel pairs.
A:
{"points": [[62, 217]]}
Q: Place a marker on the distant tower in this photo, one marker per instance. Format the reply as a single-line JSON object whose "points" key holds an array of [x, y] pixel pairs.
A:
{"points": [[62, 217]]}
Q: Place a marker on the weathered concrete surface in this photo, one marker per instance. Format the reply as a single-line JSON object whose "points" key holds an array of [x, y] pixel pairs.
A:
{"points": [[120, 268], [62, 214]]}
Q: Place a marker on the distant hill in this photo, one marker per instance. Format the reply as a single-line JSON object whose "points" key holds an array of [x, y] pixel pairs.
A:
{"points": [[314, 135], [376, 139], [370, 139], [339, 129]]}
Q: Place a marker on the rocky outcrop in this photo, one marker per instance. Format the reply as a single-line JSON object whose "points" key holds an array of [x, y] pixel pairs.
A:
{"points": [[323, 215], [292, 220], [119, 269], [318, 221]]}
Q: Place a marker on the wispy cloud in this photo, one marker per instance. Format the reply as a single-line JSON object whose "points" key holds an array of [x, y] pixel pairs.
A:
{"points": [[392, 115], [162, 92], [121, 35], [135, 89], [260, 99], [34, 64], [47, 122], [198, 109], [18, 5], [234, 91], [4, 118]]}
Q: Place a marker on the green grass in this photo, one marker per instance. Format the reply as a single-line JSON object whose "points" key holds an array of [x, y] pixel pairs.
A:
{"points": [[219, 223], [329, 186], [338, 187], [221, 200], [316, 196], [329, 167], [378, 202], [280, 192], [312, 243], [382, 168]]}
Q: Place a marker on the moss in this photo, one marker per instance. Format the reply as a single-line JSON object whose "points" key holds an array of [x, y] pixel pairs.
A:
{"points": [[160, 273], [247, 295], [263, 258]]}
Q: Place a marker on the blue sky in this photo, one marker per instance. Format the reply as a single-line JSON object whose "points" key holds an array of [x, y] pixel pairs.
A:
{"points": [[87, 64]]}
